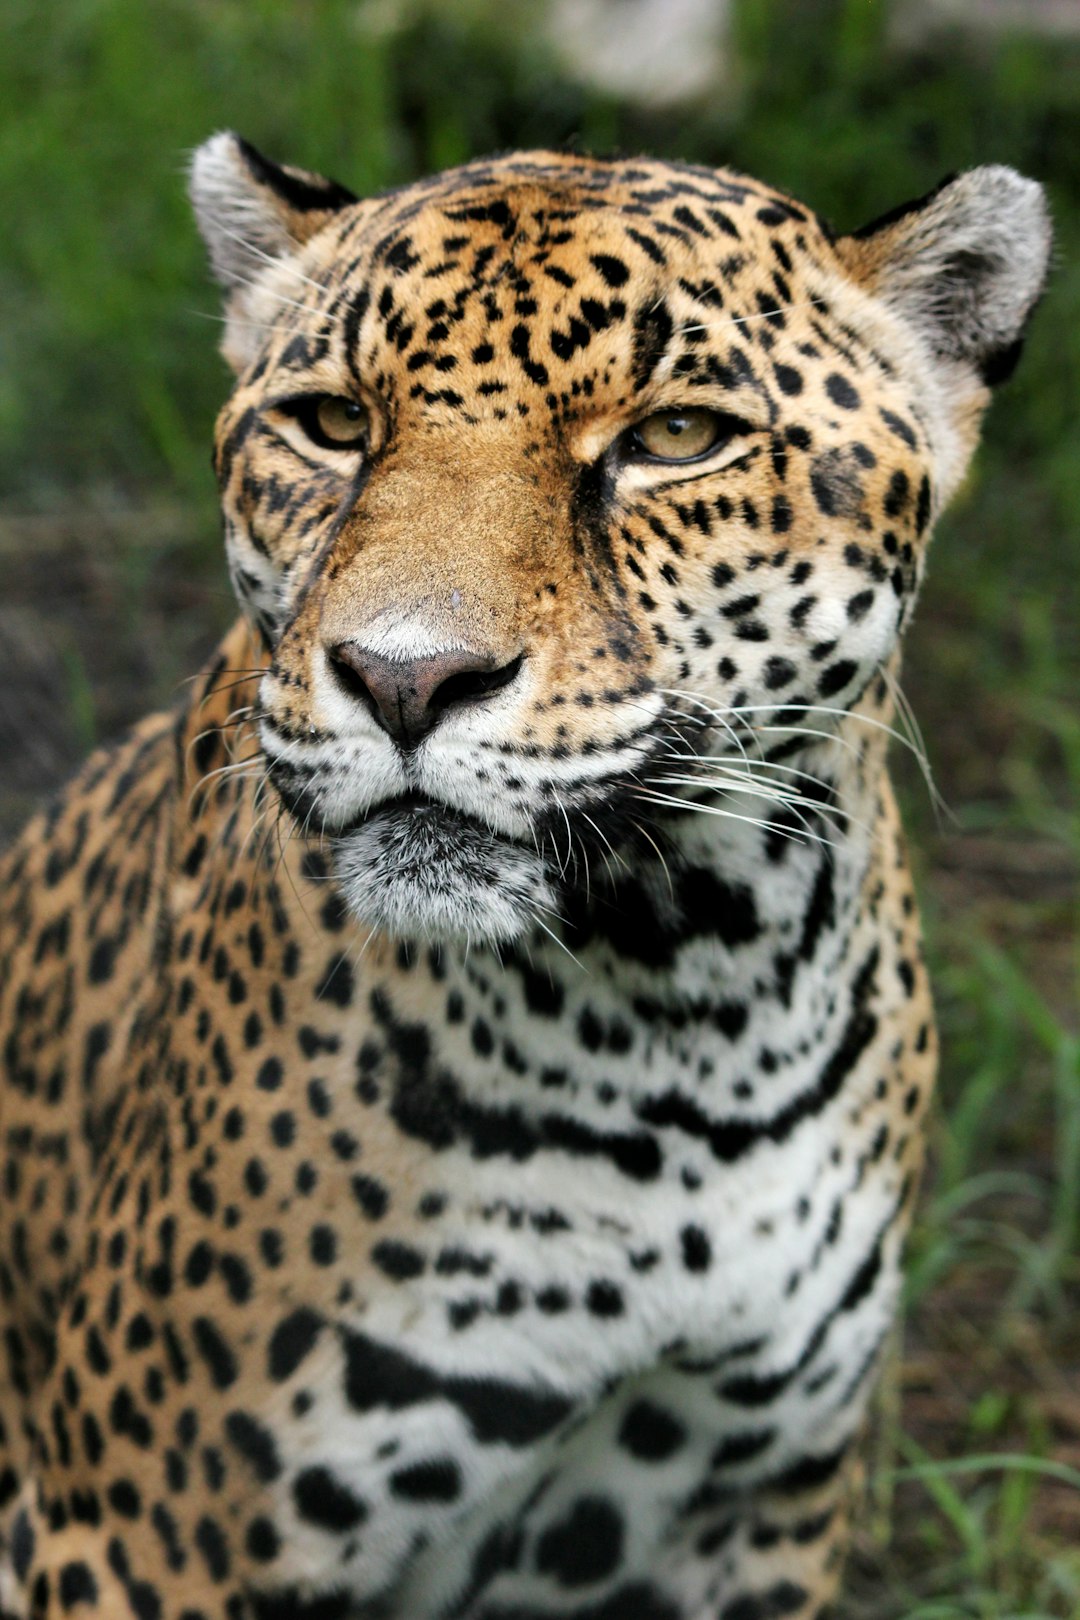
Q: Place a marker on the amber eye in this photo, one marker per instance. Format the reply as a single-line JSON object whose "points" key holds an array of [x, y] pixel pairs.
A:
{"points": [[342, 423], [683, 435], [329, 420]]}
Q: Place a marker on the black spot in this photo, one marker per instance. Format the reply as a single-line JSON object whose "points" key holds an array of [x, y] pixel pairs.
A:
{"points": [[603, 1298], [283, 1128], [584, 1546], [783, 1598], [808, 1472], [123, 1497], [262, 1540], [781, 515], [778, 672], [590, 1030], [255, 1178], [102, 961], [237, 1277], [743, 1445], [271, 1247], [270, 1075], [543, 994], [836, 484], [841, 392], [211, 1542], [436, 1481], [345, 1145], [613, 272], [371, 1195], [292, 1340], [255, 1443], [323, 1500], [168, 1532], [898, 493], [821, 911], [483, 1042], [836, 677], [216, 1351], [650, 1433], [336, 983], [97, 1356], [399, 1261], [77, 1584], [730, 1018], [653, 327], [515, 1414], [22, 1543], [519, 348], [696, 1248], [322, 1245], [897, 425]]}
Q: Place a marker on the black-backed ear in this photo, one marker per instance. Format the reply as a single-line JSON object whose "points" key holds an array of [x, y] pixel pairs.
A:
{"points": [[252, 212], [964, 265]]}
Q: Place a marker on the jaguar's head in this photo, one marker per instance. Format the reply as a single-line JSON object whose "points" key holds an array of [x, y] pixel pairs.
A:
{"points": [[556, 487]]}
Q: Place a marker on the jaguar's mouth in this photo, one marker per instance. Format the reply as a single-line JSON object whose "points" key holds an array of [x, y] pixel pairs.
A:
{"points": [[414, 807], [415, 868]]}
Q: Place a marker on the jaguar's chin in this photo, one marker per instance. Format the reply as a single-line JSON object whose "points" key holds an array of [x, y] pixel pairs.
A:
{"points": [[419, 871]]}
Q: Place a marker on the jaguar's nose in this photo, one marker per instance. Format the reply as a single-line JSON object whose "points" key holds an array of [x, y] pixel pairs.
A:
{"points": [[408, 697]]}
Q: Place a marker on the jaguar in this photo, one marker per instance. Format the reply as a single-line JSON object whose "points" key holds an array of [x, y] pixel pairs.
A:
{"points": [[464, 1066]]}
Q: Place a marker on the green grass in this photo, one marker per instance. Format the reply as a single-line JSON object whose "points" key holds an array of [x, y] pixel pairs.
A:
{"points": [[108, 389]]}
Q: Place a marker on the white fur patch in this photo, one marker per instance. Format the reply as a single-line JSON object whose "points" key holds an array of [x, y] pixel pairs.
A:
{"points": [[967, 267], [419, 873], [241, 229]]}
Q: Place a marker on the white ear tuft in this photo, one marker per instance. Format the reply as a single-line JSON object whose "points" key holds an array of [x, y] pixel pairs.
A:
{"points": [[965, 265], [252, 211]]}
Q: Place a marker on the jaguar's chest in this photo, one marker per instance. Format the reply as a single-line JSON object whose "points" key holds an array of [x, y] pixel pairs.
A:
{"points": [[570, 1401], [569, 1301]]}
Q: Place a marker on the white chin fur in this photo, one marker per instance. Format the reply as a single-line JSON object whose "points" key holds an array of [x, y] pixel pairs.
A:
{"points": [[419, 875]]}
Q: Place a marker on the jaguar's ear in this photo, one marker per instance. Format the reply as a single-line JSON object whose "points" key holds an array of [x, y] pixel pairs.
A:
{"points": [[964, 265], [252, 212]]}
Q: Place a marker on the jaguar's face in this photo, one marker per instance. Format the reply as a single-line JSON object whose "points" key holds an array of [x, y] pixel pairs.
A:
{"points": [[544, 481]]}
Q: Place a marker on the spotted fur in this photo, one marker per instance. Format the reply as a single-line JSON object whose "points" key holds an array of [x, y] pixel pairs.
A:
{"points": [[464, 1068]]}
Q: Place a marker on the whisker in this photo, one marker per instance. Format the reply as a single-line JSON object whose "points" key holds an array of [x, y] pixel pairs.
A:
{"points": [[268, 258], [909, 719], [660, 855], [560, 943], [236, 320], [733, 815], [713, 327], [794, 802], [569, 837]]}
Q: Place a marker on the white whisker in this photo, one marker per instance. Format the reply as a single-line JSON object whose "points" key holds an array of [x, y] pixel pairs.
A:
{"points": [[660, 856], [562, 946], [267, 258], [732, 815]]}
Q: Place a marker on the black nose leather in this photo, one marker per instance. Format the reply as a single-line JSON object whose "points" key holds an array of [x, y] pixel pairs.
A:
{"points": [[408, 697]]}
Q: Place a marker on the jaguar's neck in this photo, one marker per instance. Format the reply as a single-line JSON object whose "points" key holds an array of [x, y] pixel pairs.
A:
{"points": [[724, 928]]}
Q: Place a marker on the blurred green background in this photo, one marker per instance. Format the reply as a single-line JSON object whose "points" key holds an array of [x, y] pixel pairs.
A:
{"points": [[112, 589]]}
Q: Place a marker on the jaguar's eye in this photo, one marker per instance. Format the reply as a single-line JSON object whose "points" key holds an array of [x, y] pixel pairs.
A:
{"points": [[684, 435], [341, 422], [330, 420]]}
